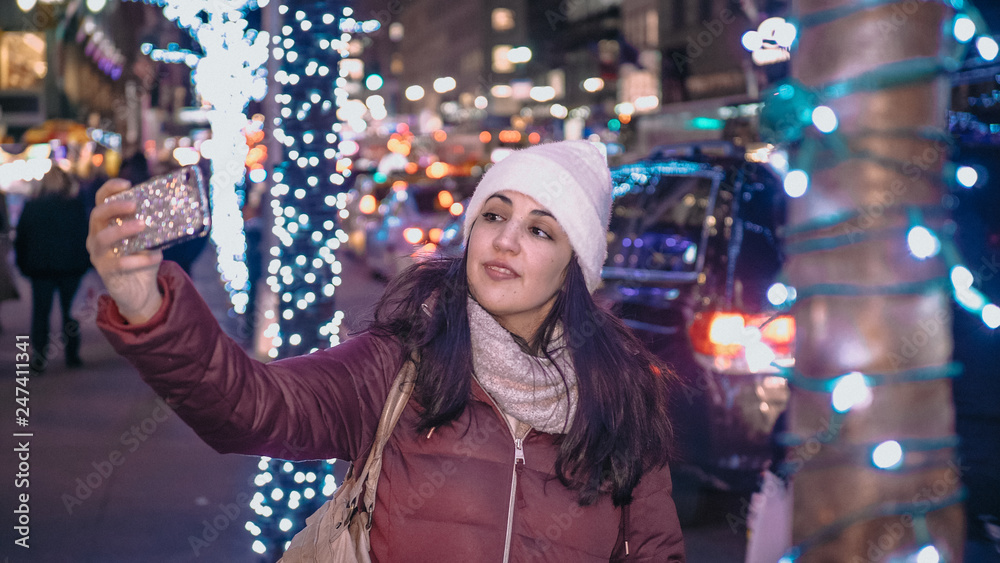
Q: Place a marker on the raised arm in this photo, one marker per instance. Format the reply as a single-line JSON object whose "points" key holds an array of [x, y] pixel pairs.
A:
{"points": [[318, 406]]}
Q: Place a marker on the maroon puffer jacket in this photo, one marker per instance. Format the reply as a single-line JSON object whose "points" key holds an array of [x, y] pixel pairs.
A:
{"points": [[441, 498]]}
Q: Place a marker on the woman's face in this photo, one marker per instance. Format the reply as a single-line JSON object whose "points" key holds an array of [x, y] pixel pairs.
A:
{"points": [[517, 261]]}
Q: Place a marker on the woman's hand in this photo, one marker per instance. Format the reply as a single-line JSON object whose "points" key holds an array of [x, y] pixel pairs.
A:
{"points": [[130, 280]]}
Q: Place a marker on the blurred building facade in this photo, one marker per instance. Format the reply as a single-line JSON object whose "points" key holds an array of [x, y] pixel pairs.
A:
{"points": [[492, 65], [60, 60], [632, 72], [690, 54], [82, 62]]}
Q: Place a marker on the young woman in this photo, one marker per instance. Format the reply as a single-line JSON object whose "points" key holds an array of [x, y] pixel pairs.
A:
{"points": [[537, 429]]}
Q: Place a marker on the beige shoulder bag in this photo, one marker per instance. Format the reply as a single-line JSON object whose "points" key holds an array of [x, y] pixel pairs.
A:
{"points": [[338, 531]]}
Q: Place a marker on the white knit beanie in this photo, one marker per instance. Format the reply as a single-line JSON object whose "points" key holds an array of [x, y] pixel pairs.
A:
{"points": [[568, 178]]}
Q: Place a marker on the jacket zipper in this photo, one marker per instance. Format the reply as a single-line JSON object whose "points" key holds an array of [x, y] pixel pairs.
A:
{"points": [[518, 459]]}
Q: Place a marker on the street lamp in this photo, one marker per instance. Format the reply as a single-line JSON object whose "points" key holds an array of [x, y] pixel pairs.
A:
{"points": [[519, 55], [771, 41], [444, 84], [414, 93]]}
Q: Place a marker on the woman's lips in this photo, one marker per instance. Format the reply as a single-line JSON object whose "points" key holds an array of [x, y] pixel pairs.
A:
{"points": [[498, 271]]}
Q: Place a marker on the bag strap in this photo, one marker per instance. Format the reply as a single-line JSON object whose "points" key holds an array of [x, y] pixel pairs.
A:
{"points": [[399, 394]]}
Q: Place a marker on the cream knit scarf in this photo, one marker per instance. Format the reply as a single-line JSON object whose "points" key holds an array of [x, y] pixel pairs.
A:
{"points": [[526, 387]]}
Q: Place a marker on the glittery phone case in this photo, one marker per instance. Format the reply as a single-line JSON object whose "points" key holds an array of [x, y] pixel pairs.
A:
{"points": [[173, 206]]}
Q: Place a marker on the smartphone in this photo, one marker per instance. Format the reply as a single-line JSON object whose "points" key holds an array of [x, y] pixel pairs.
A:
{"points": [[173, 206]]}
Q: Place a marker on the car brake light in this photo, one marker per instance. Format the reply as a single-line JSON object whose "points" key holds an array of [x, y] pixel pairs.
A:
{"points": [[424, 252], [413, 235], [726, 329], [368, 204], [730, 339], [779, 334]]}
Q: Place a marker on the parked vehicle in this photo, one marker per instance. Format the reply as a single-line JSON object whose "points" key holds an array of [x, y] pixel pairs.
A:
{"points": [[413, 223], [452, 243], [363, 216], [693, 252]]}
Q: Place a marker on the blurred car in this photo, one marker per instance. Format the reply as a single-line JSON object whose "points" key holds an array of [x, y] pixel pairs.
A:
{"points": [[692, 254], [452, 243], [413, 223], [363, 217]]}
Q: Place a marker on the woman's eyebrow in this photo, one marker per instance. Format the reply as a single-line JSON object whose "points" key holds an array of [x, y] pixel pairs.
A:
{"points": [[505, 199], [502, 198]]}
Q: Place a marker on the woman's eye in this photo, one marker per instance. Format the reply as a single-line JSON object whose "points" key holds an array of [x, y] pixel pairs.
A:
{"points": [[540, 233], [489, 216]]}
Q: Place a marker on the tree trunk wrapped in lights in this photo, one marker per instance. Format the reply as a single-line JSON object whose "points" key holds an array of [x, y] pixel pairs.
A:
{"points": [[308, 183], [871, 429]]}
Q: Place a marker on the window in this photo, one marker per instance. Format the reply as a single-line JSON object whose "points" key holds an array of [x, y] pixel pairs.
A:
{"points": [[679, 12], [502, 19], [22, 61], [643, 29], [641, 84], [659, 225], [472, 62], [500, 61], [396, 31], [652, 38], [705, 9], [557, 80], [761, 211]]}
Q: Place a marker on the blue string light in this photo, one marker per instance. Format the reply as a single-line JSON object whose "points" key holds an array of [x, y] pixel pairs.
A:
{"points": [[829, 384], [918, 511]]}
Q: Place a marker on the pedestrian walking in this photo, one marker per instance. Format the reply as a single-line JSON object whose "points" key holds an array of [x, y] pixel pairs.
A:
{"points": [[537, 426], [50, 246], [8, 288]]}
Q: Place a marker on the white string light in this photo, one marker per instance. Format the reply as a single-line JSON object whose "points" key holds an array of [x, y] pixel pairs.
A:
{"points": [[887, 455], [796, 183], [227, 76]]}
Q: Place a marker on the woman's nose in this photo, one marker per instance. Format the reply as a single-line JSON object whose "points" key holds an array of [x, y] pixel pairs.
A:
{"points": [[507, 239]]}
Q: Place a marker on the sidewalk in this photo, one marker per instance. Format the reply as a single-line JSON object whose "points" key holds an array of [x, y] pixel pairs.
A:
{"points": [[114, 476]]}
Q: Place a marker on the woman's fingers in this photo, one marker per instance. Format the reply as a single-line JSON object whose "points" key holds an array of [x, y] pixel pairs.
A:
{"points": [[110, 188], [103, 213], [103, 239], [136, 262], [129, 279], [111, 221]]}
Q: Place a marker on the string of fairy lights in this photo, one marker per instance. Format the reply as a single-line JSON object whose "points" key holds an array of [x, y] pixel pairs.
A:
{"points": [[303, 270], [792, 114], [309, 189], [227, 75]]}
